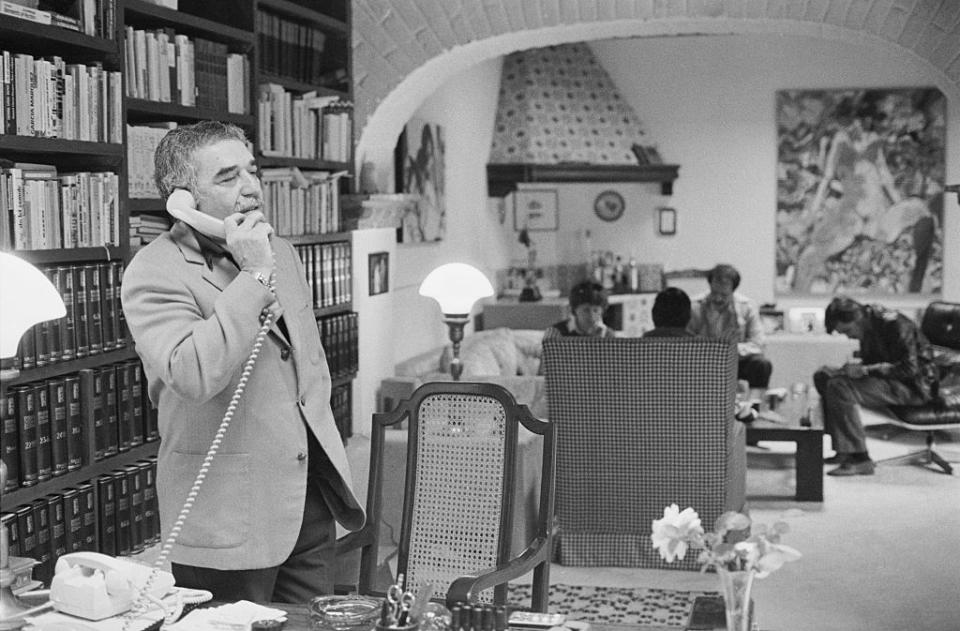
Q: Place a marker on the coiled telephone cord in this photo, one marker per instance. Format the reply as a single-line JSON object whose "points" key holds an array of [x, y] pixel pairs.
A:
{"points": [[266, 321]]}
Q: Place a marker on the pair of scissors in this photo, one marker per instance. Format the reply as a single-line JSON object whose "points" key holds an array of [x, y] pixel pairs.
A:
{"points": [[400, 603]]}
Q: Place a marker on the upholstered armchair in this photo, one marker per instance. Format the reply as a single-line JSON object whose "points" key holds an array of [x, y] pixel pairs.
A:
{"points": [[641, 424]]}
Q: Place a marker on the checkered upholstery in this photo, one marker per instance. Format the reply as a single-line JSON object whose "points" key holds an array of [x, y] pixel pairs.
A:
{"points": [[641, 424]]}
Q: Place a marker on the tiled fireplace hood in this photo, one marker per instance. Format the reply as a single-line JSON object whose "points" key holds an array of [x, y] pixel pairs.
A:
{"points": [[561, 119]]}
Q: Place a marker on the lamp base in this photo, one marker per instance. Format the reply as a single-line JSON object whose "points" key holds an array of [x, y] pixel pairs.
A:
{"points": [[11, 609]]}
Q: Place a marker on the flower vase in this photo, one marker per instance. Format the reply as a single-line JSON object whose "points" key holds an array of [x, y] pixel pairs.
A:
{"points": [[736, 588]]}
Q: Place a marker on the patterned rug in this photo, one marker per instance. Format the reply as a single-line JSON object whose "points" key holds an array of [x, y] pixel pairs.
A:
{"points": [[615, 605]]}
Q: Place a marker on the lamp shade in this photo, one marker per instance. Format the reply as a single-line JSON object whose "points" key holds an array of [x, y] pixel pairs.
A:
{"points": [[455, 287], [26, 298]]}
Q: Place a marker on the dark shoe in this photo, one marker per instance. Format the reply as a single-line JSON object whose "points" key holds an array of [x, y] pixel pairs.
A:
{"points": [[836, 459], [854, 468]]}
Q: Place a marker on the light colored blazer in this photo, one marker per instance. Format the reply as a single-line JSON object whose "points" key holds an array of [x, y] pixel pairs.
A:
{"points": [[194, 328]]}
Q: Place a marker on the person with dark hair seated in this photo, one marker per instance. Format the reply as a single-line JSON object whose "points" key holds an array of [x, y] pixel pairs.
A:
{"points": [[724, 314], [588, 301], [896, 367], [671, 314]]}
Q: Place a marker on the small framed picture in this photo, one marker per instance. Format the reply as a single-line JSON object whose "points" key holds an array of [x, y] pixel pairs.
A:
{"points": [[772, 321], [807, 320], [535, 209], [666, 220], [379, 270]]}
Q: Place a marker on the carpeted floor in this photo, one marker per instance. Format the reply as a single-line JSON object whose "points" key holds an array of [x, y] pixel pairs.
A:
{"points": [[615, 605]]}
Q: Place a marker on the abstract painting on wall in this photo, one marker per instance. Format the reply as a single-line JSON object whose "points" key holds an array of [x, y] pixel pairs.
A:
{"points": [[419, 168], [860, 188]]}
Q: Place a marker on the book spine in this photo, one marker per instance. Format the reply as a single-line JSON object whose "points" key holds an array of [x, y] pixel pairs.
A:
{"points": [[92, 387], [58, 526], [27, 526], [73, 519], [75, 422], [111, 420], [10, 441], [121, 485], [124, 378], [135, 482], [80, 290], [108, 305], [88, 502], [54, 332], [44, 437], [93, 299], [136, 403], [59, 427], [27, 430], [8, 521], [43, 571], [123, 335], [63, 282], [151, 515], [107, 514]]}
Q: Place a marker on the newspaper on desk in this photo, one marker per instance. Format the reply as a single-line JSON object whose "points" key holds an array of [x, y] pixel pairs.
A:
{"points": [[236, 616]]}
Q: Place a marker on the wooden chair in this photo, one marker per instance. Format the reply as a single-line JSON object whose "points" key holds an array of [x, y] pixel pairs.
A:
{"points": [[459, 495]]}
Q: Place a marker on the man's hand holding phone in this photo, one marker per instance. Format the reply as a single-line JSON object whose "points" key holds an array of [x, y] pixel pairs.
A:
{"points": [[248, 240]]}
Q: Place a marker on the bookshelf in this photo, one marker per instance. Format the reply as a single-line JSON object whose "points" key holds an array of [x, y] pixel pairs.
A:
{"points": [[232, 28]]}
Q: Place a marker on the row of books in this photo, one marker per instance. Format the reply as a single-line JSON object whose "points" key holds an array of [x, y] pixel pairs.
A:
{"points": [[292, 49], [303, 125], [302, 202], [91, 17], [50, 98], [339, 335], [60, 424], [43, 210], [162, 65], [329, 272], [142, 141], [341, 403], [94, 322], [115, 513]]}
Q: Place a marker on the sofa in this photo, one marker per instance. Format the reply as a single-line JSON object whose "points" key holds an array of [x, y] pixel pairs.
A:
{"points": [[641, 424], [509, 357]]}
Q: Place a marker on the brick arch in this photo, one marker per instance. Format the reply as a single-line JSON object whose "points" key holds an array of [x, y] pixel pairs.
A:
{"points": [[403, 50]]}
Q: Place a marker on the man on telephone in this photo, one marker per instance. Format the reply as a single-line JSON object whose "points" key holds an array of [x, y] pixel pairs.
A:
{"points": [[262, 527]]}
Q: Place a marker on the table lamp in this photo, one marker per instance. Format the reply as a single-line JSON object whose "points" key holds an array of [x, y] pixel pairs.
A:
{"points": [[26, 298], [455, 287]]}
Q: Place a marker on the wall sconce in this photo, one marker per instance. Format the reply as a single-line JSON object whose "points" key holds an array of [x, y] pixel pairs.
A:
{"points": [[28, 298], [456, 287], [666, 221]]}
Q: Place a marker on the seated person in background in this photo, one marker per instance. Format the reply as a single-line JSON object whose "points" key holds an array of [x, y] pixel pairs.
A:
{"points": [[588, 301], [671, 314], [723, 314], [896, 368]]}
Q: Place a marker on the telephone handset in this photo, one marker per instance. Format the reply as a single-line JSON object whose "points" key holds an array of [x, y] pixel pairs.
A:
{"points": [[96, 586], [183, 206]]}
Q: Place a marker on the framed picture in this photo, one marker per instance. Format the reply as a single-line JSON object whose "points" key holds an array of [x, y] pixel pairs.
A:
{"points": [[772, 321], [859, 191], [420, 160], [535, 209], [666, 220], [807, 320], [378, 265]]}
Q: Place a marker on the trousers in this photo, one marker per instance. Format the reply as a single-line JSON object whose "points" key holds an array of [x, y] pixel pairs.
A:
{"points": [[842, 397], [308, 571]]}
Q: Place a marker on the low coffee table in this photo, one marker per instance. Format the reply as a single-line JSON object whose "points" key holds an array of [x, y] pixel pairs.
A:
{"points": [[784, 424]]}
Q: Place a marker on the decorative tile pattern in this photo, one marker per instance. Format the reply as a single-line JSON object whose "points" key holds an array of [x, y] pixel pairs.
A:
{"points": [[557, 104]]}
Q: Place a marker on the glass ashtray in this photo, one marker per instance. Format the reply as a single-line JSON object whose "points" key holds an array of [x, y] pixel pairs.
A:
{"points": [[344, 613]]}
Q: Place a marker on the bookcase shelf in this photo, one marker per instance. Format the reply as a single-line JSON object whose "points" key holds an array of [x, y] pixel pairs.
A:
{"points": [[305, 15], [300, 86], [73, 255], [34, 38], [144, 111], [302, 163], [73, 365], [147, 15], [90, 471], [58, 147]]}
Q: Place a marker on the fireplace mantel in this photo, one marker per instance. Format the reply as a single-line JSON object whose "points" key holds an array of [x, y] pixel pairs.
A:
{"points": [[502, 179]]}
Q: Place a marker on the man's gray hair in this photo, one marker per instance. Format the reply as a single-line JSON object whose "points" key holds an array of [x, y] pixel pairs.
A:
{"points": [[173, 162]]}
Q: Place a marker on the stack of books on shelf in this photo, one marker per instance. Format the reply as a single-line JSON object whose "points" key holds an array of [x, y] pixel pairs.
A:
{"points": [[302, 202], [90, 17], [142, 141], [291, 49], [50, 98], [329, 272], [304, 125], [94, 322], [145, 228], [44, 210], [338, 333], [114, 513], [341, 403]]}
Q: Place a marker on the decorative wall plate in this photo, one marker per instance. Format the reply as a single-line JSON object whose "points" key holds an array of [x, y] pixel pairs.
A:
{"points": [[609, 205]]}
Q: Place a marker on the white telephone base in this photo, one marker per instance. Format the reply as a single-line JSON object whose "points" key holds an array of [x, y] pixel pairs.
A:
{"points": [[96, 586]]}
